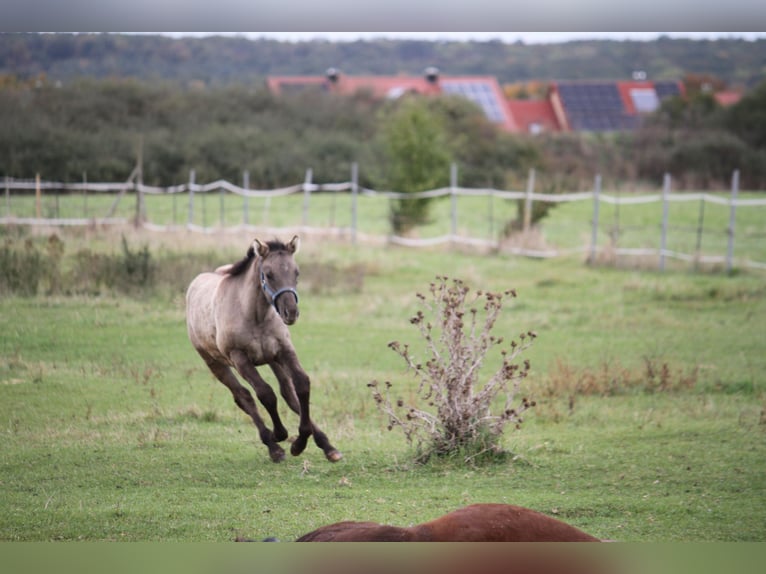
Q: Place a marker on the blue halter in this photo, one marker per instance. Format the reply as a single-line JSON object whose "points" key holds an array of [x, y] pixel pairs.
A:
{"points": [[274, 295]]}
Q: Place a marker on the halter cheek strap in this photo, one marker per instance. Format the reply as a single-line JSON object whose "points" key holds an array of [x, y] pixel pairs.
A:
{"points": [[274, 295]]}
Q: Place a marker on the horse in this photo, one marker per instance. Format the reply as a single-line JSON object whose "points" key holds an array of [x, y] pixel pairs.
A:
{"points": [[473, 523], [237, 319]]}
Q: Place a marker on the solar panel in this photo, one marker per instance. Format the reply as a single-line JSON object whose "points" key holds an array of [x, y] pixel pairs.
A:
{"points": [[666, 89], [595, 107], [481, 93]]}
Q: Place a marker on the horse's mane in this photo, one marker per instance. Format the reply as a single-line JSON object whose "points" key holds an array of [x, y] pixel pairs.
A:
{"points": [[242, 265]]}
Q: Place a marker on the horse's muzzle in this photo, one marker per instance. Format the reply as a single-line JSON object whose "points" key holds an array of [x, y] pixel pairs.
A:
{"points": [[287, 307]]}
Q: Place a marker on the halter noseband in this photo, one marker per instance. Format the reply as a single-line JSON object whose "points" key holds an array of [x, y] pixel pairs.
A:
{"points": [[274, 295]]}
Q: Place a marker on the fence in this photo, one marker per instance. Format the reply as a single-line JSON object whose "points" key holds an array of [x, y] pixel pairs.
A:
{"points": [[359, 214]]}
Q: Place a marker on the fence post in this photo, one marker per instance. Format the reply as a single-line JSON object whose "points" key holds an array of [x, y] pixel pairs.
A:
{"points": [[664, 231], [221, 206], [175, 208], [700, 228], [192, 175], [354, 197], [594, 224], [732, 220], [138, 184], [85, 194], [38, 196], [246, 199], [307, 195], [7, 197], [528, 200], [453, 198]]}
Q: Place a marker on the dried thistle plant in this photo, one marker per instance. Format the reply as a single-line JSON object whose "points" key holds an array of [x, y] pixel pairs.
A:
{"points": [[462, 414]]}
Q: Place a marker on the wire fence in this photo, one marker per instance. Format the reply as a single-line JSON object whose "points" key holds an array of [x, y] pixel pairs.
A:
{"points": [[719, 229]]}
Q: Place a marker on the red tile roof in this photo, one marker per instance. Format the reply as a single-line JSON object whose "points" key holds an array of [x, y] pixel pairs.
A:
{"points": [[727, 98], [533, 116]]}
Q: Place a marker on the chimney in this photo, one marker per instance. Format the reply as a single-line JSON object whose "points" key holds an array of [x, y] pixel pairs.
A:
{"points": [[432, 74]]}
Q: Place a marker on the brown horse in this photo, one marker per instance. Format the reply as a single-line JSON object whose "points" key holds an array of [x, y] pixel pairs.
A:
{"points": [[237, 318], [474, 523]]}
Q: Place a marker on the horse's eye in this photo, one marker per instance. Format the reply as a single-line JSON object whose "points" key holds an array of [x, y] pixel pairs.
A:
{"points": [[270, 276]]}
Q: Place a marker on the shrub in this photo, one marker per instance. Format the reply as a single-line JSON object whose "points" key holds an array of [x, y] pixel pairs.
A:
{"points": [[468, 420]]}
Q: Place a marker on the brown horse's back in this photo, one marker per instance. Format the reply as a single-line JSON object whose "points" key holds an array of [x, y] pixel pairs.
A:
{"points": [[499, 523], [475, 523], [357, 532]]}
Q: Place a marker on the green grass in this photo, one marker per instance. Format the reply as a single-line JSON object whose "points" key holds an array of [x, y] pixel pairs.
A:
{"points": [[112, 428]]}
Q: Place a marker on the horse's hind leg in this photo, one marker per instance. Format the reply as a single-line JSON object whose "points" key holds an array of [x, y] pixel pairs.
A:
{"points": [[295, 402], [244, 401]]}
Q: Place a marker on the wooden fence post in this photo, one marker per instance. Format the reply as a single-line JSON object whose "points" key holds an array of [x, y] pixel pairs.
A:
{"points": [[354, 197], [732, 220], [7, 197], [528, 200], [307, 195], [664, 230], [453, 198], [192, 176]]}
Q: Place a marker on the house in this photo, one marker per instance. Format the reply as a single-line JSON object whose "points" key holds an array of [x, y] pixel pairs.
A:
{"points": [[568, 106], [482, 90]]}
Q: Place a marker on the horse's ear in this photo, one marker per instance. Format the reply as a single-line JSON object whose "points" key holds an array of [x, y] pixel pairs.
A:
{"points": [[261, 247], [294, 245]]}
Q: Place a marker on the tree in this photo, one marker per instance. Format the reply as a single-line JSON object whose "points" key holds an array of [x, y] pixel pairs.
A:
{"points": [[747, 118], [418, 159]]}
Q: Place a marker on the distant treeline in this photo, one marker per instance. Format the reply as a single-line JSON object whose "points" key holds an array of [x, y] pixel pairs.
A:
{"points": [[97, 129], [215, 61]]}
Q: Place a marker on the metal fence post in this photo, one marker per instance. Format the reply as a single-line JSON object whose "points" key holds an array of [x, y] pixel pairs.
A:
{"points": [[528, 200], [664, 230], [192, 175], [85, 194], [307, 195], [453, 197], [246, 198], [700, 231], [732, 220], [354, 197], [594, 224]]}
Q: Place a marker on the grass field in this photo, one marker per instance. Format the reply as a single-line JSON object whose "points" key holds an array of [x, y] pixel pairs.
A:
{"points": [[650, 424]]}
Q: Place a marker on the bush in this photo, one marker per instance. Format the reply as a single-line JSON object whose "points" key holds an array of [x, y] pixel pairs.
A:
{"points": [[457, 329]]}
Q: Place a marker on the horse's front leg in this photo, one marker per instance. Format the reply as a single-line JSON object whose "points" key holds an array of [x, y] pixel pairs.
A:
{"points": [[295, 386], [262, 390]]}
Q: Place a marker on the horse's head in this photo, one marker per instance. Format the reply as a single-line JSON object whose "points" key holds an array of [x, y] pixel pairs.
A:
{"points": [[278, 276]]}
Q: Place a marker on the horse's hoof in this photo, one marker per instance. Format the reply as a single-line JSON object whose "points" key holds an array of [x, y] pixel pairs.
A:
{"points": [[277, 454], [298, 446], [334, 455]]}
